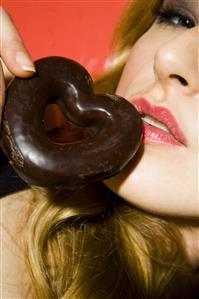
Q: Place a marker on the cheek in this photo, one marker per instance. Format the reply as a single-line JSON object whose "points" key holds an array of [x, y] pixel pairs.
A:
{"points": [[189, 117], [192, 131], [138, 71]]}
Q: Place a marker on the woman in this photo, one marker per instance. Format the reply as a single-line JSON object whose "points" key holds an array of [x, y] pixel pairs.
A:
{"points": [[141, 240]]}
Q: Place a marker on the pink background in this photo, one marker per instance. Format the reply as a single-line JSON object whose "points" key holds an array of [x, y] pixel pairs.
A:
{"points": [[80, 30]]}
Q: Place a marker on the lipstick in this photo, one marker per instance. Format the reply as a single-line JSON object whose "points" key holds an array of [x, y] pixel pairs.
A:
{"points": [[160, 126]]}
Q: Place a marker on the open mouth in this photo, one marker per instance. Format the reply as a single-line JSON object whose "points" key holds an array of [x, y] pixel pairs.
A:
{"points": [[160, 125], [155, 123]]}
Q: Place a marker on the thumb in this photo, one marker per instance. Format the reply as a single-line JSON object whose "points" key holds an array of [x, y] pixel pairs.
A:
{"points": [[12, 51]]}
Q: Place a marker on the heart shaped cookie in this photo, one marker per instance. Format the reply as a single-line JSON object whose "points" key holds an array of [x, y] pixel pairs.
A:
{"points": [[114, 126]]}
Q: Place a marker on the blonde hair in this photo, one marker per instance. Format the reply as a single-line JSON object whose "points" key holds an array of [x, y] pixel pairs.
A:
{"points": [[90, 244]]}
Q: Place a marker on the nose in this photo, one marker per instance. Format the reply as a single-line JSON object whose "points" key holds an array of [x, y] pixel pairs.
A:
{"points": [[177, 62]]}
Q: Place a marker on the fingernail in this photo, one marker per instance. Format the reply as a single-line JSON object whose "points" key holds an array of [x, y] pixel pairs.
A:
{"points": [[24, 61]]}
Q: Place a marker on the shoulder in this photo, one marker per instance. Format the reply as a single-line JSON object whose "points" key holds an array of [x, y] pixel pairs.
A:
{"points": [[14, 209], [14, 212]]}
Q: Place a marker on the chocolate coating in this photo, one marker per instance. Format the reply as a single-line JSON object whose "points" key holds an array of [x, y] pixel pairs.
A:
{"points": [[115, 125]]}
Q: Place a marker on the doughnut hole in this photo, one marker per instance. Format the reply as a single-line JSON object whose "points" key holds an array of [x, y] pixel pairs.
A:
{"points": [[59, 129]]}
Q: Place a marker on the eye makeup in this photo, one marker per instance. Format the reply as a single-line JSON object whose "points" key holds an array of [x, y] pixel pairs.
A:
{"points": [[192, 7], [175, 16]]}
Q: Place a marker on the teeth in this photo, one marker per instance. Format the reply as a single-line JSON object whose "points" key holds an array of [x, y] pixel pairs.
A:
{"points": [[151, 121]]}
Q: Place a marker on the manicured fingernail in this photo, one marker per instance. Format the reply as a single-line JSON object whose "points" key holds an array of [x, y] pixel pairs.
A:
{"points": [[25, 63]]}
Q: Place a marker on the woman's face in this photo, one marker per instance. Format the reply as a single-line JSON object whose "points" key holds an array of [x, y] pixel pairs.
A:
{"points": [[161, 78]]}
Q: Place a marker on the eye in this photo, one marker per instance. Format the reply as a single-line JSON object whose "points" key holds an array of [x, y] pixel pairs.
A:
{"points": [[175, 17]]}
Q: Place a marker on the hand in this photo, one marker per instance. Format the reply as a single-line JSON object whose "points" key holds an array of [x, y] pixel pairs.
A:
{"points": [[14, 58]]}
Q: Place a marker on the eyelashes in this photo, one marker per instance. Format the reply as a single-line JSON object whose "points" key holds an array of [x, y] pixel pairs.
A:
{"points": [[175, 16]]}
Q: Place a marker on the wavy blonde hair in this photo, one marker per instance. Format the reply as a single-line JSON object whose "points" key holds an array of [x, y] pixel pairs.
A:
{"points": [[90, 244]]}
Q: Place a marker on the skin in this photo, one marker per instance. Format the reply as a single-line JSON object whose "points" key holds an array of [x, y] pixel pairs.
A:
{"points": [[145, 183], [163, 179]]}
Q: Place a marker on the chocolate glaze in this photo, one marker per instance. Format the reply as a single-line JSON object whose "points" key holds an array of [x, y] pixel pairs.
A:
{"points": [[115, 125]]}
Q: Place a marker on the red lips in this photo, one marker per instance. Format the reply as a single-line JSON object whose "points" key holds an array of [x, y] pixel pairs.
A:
{"points": [[154, 135]]}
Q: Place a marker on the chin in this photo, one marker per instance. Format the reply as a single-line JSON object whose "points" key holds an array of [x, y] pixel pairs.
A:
{"points": [[166, 200], [161, 180]]}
